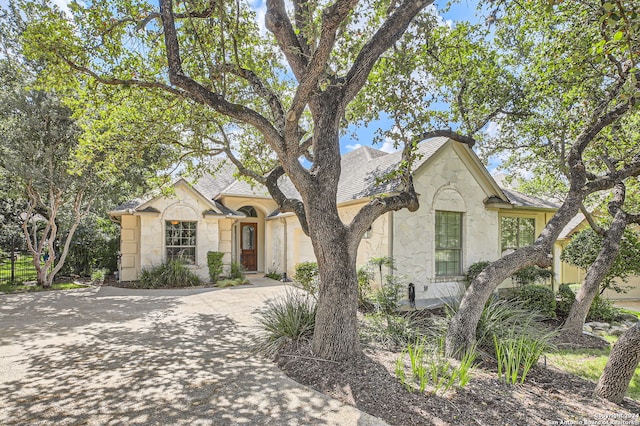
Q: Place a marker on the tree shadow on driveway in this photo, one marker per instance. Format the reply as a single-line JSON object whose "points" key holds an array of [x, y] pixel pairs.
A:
{"points": [[74, 358]]}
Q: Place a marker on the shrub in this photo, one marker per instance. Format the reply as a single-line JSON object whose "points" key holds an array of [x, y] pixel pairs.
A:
{"points": [[538, 298], [506, 318], [387, 298], [168, 275], [600, 310], [98, 275], [236, 271], [566, 297], [232, 282], [516, 356], [431, 366], [392, 331], [284, 319], [364, 288], [474, 270], [273, 275], [531, 275], [214, 262], [306, 277]]}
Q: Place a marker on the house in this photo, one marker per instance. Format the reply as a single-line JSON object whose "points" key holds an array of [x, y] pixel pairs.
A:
{"points": [[464, 217], [572, 274]]}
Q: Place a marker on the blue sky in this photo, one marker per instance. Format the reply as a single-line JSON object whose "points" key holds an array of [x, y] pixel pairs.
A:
{"points": [[462, 10]]}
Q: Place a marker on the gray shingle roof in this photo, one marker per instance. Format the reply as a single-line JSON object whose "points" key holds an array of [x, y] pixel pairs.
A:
{"points": [[360, 171], [571, 226], [523, 200]]}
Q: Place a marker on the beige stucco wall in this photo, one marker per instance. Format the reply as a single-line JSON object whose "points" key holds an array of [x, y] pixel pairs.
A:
{"points": [[184, 205], [129, 247], [571, 274], [444, 183], [263, 207]]}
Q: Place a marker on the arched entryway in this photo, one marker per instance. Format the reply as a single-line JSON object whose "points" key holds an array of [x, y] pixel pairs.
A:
{"points": [[250, 243]]}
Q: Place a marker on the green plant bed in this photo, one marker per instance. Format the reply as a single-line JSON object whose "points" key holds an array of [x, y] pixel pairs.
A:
{"points": [[8, 288], [274, 276], [589, 364], [232, 282]]}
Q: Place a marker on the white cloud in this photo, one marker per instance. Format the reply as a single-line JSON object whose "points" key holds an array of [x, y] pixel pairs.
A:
{"points": [[260, 7], [353, 147], [387, 146], [493, 128]]}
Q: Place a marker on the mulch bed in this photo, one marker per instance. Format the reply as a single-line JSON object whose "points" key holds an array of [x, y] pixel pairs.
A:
{"points": [[368, 383]]}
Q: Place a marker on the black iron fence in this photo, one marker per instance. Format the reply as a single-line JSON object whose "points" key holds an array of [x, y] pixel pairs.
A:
{"points": [[16, 269]]}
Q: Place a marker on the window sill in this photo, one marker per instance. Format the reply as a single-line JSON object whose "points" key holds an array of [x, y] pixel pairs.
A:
{"points": [[448, 278]]}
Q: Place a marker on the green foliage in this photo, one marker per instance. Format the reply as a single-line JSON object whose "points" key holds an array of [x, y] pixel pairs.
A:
{"points": [[232, 282], [516, 356], [95, 245], [364, 288], [274, 275], [565, 299], [98, 275], [173, 274], [475, 269], [380, 262], [430, 366], [538, 298], [306, 277], [284, 319], [387, 298], [584, 247], [214, 262], [600, 310], [392, 331], [236, 271], [531, 275], [21, 288]]}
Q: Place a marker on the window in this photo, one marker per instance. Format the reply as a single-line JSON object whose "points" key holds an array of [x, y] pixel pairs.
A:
{"points": [[249, 211], [448, 243], [180, 240], [517, 232]]}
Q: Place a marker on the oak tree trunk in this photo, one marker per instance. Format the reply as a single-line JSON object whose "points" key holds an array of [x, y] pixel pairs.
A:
{"points": [[621, 366], [336, 329], [596, 273]]}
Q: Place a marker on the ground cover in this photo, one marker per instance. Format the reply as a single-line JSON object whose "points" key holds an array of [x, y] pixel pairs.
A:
{"points": [[557, 390], [30, 288]]}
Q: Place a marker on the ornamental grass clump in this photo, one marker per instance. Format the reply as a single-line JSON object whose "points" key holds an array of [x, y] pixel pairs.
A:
{"points": [[173, 274], [284, 319]]}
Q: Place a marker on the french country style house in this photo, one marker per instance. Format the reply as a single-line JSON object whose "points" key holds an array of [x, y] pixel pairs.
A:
{"points": [[464, 217]]}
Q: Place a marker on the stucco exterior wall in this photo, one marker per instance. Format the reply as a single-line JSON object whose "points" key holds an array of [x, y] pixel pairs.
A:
{"points": [[444, 183], [263, 207], [129, 247], [184, 205]]}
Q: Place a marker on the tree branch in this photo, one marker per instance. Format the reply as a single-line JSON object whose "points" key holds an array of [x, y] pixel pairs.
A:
{"points": [[286, 204], [610, 180], [201, 94], [393, 28], [467, 140], [332, 16], [277, 21], [596, 228]]}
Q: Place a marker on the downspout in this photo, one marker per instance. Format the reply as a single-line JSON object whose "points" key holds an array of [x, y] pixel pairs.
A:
{"points": [[284, 244], [390, 232]]}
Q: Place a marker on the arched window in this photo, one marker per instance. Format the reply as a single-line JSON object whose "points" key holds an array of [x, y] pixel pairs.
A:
{"points": [[249, 211]]}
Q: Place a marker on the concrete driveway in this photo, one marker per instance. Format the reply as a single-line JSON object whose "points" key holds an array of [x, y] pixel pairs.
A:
{"points": [[116, 356]]}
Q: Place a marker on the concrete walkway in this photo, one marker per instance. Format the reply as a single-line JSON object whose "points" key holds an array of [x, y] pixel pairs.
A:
{"points": [[148, 357]]}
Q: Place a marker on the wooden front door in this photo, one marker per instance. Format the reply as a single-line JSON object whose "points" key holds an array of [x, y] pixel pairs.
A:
{"points": [[249, 246]]}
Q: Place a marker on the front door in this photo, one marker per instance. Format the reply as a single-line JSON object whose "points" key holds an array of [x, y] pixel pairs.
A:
{"points": [[249, 246]]}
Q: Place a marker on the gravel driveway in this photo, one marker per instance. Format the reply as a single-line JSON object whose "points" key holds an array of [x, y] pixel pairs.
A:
{"points": [[118, 356]]}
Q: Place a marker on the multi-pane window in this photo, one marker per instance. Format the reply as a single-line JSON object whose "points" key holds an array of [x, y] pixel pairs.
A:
{"points": [[180, 240], [448, 243], [517, 232]]}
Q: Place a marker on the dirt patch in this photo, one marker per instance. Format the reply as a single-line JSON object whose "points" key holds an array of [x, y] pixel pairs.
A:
{"points": [[368, 383]]}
